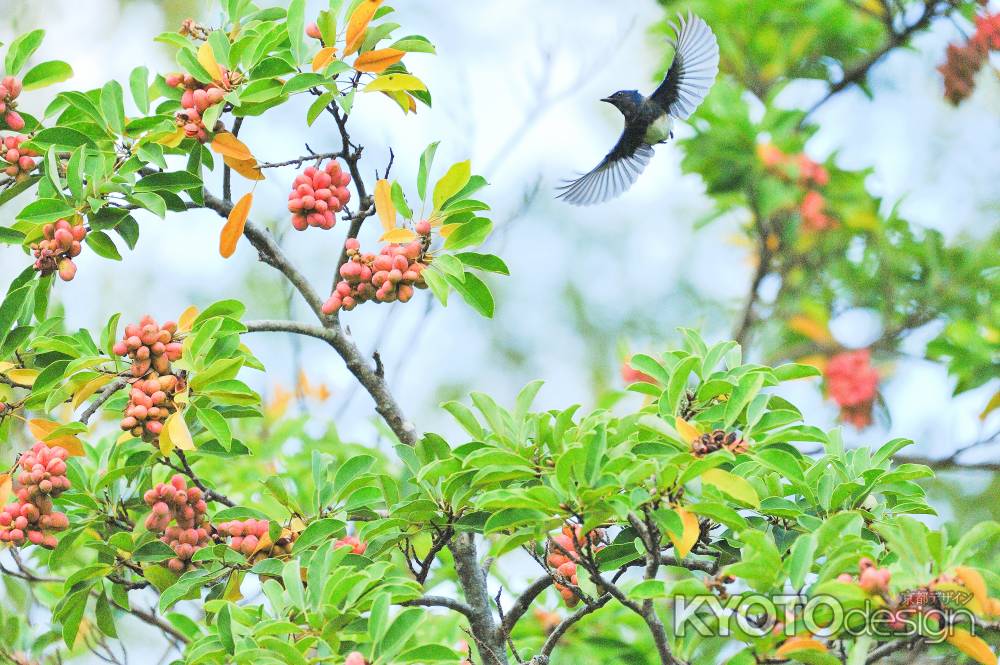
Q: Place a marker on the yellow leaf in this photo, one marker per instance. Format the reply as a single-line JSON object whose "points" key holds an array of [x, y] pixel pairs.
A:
{"points": [[992, 406], [358, 23], [686, 430], [974, 582], [692, 531], [323, 58], [233, 229], [793, 644], [245, 167], [811, 328], [171, 140], [972, 646], [452, 182], [5, 488], [187, 318], [180, 435], [43, 431], [227, 145], [90, 388], [398, 236], [374, 62], [448, 229], [817, 360], [232, 592], [383, 204], [206, 58], [25, 377], [733, 485], [4, 366], [164, 443], [395, 82]]}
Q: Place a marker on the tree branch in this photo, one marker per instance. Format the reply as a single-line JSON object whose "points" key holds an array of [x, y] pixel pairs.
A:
{"points": [[542, 658], [472, 579], [102, 397], [442, 601], [523, 603]]}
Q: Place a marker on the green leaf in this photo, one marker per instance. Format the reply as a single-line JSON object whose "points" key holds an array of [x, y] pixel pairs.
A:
{"points": [[10, 236], [138, 83], [113, 106], [46, 73], [187, 59], [414, 44], [171, 181], [471, 233], [45, 210], [451, 182], [296, 29], [20, 50], [292, 578], [61, 137], [792, 371], [475, 292], [801, 558], [399, 200], [103, 246], [402, 628], [648, 589], [438, 285], [72, 612], [426, 161], [487, 262]]}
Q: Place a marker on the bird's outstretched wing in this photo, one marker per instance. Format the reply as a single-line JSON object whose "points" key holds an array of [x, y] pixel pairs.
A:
{"points": [[695, 66], [617, 172]]}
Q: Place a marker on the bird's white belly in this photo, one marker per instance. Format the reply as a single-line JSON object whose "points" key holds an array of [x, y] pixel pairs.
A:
{"points": [[660, 129]]}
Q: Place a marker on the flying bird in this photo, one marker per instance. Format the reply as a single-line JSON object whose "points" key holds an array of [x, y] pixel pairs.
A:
{"points": [[650, 120]]}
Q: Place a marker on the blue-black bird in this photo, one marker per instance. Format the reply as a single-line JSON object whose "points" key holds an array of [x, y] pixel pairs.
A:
{"points": [[650, 120]]}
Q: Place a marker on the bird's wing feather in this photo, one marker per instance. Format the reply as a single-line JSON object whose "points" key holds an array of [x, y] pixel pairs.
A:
{"points": [[616, 173], [695, 66]]}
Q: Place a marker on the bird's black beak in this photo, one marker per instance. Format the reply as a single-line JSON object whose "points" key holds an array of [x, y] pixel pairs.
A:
{"points": [[608, 100]]}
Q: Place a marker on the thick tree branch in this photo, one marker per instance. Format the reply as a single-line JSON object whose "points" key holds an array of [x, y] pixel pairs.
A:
{"points": [[442, 601], [334, 335], [472, 578], [523, 603], [102, 397]]}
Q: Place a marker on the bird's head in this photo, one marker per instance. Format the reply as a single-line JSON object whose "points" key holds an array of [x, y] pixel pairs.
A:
{"points": [[626, 101]]}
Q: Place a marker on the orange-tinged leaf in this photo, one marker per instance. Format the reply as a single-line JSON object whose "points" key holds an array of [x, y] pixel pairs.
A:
{"points": [[686, 540], [90, 388], [398, 236], [404, 99], [186, 319], [42, 430], [323, 58], [5, 488], [817, 360], [245, 167], [25, 377], [448, 229], [206, 58], [797, 643], [180, 435], [375, 62], [972, 646], [686, 430], [974, 582], [358, 23], [227, 145], [811, 328], [384, 206], [233, 229]]}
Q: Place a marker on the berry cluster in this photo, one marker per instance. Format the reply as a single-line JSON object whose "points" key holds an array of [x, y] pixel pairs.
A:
{"points": [[196, 99], [563, 554], [807, 173], [31, 518], [175, 501], [964, 61], [151, 400], [318, 194], [871, 579], [10, 88], [55, 252], [20, 160], [150, 346], [357, 547], [716, 440], [389, 276], [248, 534], [852, 383]]}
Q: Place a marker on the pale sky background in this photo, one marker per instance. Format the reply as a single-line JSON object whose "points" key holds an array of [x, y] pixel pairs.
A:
{"points": [[516, 86]]}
